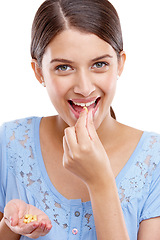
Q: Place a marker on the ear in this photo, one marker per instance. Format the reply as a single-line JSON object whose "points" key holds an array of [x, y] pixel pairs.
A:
{"points": [[121, 62], [37, 70]]}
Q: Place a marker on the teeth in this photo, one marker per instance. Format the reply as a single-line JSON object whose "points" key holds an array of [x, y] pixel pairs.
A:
{"points": [[84, 104]]}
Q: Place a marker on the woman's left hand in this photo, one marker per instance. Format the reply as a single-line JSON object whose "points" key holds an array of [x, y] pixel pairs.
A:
{"points": [[14, 215], [84, 154]]}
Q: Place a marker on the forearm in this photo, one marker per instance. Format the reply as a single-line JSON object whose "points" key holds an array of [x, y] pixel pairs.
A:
{"points": [[108, 215], [6, 233]]}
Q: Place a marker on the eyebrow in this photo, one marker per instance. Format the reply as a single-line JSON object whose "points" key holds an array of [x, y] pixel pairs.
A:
{"points": [[69, 61], [61, 60], [101, 57]]}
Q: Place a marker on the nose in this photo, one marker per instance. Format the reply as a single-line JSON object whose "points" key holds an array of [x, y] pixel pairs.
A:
{"points": [[84, 84]]}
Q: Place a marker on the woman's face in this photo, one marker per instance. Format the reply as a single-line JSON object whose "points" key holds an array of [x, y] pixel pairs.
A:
{"points": [[80, 69]]}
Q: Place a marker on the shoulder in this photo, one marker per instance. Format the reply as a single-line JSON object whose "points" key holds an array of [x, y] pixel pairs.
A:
{"points": [[151, 145], [150, 154], [18, 142], [20, 123], [147, 155], [147, 144], [18, 135], [142, 169], [17, 127]]}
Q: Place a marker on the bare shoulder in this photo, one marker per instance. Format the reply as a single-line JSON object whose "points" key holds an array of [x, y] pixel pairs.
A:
{"points": [[130, 134], [53, 125], [129, 138], [125, 136]]}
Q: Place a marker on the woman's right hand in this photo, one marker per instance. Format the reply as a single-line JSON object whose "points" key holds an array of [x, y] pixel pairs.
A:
{"points": [[14, 214]]}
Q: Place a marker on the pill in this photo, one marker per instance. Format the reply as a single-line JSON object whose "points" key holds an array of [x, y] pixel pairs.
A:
{"points": [[34, 218], [86, 109], [25, 220], [29, 218]]}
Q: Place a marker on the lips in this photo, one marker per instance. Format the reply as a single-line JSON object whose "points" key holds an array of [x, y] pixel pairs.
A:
{"points": [[77, 105]]}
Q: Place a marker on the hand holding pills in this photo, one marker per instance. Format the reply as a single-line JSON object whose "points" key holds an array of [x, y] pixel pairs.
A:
{"points": [[26, 220]]}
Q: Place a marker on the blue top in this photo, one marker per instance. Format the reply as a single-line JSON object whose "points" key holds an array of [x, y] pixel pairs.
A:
{"points": [[23, 176]]}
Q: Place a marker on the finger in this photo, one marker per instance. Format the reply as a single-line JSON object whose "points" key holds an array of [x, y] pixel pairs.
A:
{"points": [[11, 214], [46, 226], [41, 230], [66, 148], [68, 156], [70, 139], [29, 228], [81, 128], [90, 127]]}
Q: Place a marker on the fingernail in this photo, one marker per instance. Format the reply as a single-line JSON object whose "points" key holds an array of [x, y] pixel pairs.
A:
{"points": [[35, 225], [48, 228], [42, 225]]}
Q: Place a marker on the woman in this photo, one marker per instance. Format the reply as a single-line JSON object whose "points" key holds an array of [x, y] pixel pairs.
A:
{"points": [[85, 175]]}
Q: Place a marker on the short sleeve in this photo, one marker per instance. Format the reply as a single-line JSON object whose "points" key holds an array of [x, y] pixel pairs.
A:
{"points": [[151, 207], [3, 168]]}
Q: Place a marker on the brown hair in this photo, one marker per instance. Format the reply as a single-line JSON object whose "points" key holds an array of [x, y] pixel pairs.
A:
{"points": [[98, 17]]}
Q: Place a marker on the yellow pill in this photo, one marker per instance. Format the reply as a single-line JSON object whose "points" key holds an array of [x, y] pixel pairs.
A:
{"points": [[34, 217], [86, 109], [29, 218], [25, 220]]}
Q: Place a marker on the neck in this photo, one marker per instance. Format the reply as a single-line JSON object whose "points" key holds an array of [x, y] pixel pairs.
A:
{"points": [[108, 130]]}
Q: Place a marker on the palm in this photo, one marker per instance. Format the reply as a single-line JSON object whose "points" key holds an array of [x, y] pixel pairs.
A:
{"points": [[17, 209]]}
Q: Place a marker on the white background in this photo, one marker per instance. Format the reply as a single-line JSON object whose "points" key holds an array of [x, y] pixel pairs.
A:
{"points": [[137, 99]]}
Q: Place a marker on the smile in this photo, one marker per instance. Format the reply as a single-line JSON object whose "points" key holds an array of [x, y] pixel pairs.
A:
{"points": [[76, 106]]}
